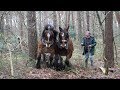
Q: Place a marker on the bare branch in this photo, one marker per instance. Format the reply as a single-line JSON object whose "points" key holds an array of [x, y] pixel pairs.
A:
{"points": [[105, 17], [101, 26]]}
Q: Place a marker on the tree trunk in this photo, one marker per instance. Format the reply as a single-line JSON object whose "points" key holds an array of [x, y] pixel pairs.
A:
{"points": [[84, 22], [109, 50], [101, 26], [79, 25], [93, 23], [2, 22], [73, 21], [118, 20], [67, 16], [87, 14], [21, 20], [76, 25], [10, 58], [32, 34], [68, 22], [73, 25], [55, 19], [59, 14], [40, 29]]}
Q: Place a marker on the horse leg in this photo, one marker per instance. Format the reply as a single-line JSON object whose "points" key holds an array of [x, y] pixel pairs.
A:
{"points": [[38, 65], [48, 61], [51, 62], [62, 66], [56, 62], [45, 63], [67, 62]]}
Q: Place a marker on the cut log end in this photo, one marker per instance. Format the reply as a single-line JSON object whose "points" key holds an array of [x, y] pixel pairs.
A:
{"points": [[104, 70]]}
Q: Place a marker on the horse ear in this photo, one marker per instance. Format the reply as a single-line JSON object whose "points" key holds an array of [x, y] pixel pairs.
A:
{"points": [[67, 28], [60, 29]]}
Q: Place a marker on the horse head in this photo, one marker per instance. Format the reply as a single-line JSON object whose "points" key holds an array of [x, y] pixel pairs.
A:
{"points": [[63, 37], [48, 36]]}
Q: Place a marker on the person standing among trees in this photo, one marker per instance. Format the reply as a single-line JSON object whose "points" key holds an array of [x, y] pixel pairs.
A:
{"points": [[89, 43]]}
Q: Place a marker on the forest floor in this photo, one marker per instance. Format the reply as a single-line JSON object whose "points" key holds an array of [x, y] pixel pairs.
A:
{"points": [[21, 71], [77, 72]]}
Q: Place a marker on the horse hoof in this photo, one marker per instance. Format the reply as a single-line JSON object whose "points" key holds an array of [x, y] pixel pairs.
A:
{"points": [[60, 67], [68, 64], [38, 67]]}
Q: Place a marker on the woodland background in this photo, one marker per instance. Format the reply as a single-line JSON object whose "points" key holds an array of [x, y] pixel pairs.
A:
{"points": [[20, 31]]}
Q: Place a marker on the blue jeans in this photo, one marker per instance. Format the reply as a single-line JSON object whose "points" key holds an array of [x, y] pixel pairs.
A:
{"points": [[87, 56]]}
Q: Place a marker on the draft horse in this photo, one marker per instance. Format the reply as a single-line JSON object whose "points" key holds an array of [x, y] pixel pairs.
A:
{"points": [[64, 45], [46, 47]]}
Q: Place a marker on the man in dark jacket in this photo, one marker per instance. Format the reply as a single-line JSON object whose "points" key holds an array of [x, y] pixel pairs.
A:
{"points": [[89, 44]]}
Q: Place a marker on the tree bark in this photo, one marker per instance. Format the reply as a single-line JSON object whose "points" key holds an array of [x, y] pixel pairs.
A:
{"points": [[55, 19], [87, 14], [32, 34], [109, 50], [67, 16], [2, 22], [79, 25], [21, 20], [118, 20], [59, 14], [101, 26]]}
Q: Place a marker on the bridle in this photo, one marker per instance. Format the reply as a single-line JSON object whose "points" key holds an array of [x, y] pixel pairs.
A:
{"points": [[63, 41], [47, 43]]}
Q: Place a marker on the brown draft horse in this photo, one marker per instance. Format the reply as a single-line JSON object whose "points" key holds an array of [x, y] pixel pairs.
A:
{"points": [[46, 46], [65, 45]]}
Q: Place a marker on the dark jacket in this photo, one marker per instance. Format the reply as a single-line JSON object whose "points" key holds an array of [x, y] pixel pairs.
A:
{"points": [[92, 43]]}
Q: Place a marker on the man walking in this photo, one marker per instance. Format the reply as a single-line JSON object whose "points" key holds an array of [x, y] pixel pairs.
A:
{"points": [[89, 43]]}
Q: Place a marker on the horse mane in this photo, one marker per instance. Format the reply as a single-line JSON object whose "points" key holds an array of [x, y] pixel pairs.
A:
{"points": [[56, 34]]}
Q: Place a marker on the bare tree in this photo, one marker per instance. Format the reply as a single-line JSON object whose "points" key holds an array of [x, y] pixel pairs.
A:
{"points": [[40, 23], [118, 20], [73, 21], [84, 22], [101, 26], [2, 22], [55, 19], [67, 20], [79, 25], [21, 24], [109, 50], [32, 34], [59, 14], [87, 15]]}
